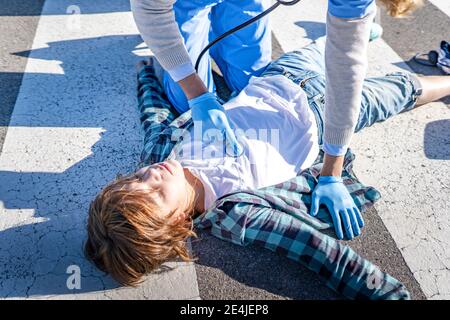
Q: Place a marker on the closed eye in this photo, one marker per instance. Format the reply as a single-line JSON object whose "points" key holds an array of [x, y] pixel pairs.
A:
{"points": [[137, 177]]}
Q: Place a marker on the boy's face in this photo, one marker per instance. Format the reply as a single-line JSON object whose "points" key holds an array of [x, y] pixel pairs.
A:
{"points": [[168, 179]]}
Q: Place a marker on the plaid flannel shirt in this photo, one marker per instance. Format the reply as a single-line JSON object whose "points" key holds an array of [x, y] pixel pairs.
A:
{"points": [[274, 217]]}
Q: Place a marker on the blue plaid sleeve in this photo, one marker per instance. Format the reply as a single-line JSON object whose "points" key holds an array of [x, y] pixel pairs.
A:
{"points": [[338, 265], [160, 121]]}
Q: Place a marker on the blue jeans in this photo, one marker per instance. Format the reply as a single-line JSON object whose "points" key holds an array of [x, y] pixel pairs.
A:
{"points": [[239, 56], [382, 97]]}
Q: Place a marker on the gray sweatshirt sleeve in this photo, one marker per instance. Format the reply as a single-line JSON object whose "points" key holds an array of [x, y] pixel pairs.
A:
{"points": [[155, 20], [346, 66]]}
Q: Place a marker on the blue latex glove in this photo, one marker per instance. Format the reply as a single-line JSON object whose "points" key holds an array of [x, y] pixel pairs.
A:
{"points": [[211, 114], [332, 192]]}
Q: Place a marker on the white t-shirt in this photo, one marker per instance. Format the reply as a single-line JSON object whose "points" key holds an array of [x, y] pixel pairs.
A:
{"points": [[280, 139]]}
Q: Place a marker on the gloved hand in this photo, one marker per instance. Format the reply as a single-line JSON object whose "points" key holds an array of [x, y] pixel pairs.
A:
{"points": [[332, 192], [210, 112]]}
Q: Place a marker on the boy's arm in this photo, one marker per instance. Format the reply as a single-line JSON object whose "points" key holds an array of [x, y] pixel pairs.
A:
{"points": [[338, 265]]}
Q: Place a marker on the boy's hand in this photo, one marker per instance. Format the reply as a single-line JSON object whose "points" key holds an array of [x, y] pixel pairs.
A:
{"points": [[332, 192]]}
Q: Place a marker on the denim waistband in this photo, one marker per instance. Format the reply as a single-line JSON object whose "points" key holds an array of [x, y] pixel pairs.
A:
{"points": [[313, 84]]}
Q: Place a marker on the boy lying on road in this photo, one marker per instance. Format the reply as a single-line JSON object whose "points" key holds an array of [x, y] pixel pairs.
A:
{"points": [[141, 220]]}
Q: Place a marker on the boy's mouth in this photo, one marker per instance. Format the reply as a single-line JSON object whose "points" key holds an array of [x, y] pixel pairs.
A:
{"points": [[166, 166]]}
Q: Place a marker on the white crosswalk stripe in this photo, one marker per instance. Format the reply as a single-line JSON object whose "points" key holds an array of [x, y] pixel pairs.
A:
{"points": [[443, 5]]}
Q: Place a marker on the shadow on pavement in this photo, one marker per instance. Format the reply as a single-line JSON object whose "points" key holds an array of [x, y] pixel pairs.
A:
{"points": [[33, 8], [314, 30], [419, 68], [437, 140], [43, 213], [14, 41]]}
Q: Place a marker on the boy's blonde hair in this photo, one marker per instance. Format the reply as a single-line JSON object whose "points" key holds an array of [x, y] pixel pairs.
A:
{"points": [[126, 236], [400, 8]]}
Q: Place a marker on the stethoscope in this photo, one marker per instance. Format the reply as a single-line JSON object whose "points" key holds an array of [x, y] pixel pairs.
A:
{"points": [[239, 27], [243, 25]]}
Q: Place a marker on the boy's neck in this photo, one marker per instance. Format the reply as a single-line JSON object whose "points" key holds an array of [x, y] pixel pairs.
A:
{"points": [[198, 194]]}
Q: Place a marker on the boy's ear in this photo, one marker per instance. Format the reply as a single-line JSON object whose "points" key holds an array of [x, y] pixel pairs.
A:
{"points": [[181, 216]]}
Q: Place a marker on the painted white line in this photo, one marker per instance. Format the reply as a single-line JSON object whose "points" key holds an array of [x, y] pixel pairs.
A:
{"points": [[443, 5], [406, 158], [75, 125]]}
